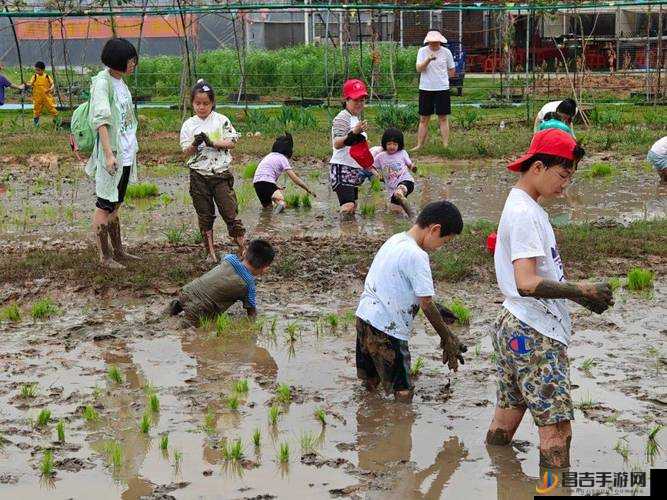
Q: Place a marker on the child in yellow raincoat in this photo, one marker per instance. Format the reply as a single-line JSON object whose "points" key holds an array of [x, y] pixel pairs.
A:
{"points": [[42, 93]]}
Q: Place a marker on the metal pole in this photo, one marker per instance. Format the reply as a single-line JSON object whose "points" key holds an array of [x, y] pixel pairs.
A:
{"points": [[340, 28], [306, 31], [460, 27], [400, 19]]}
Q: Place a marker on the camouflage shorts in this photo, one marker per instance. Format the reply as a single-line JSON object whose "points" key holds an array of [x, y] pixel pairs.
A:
{"points": [[533, 371]]}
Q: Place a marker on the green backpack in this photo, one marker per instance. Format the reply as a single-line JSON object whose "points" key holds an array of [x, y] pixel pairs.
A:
{"points": [[82, 136]]}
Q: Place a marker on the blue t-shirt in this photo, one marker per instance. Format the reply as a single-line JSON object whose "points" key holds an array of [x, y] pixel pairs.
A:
{"points": [[3, 84], [553, 123]]}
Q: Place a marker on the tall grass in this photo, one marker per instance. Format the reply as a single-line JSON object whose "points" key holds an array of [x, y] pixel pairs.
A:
{"points": [[639, 279], [461, 311], [43, 309], [141, 190], [11, 313]]}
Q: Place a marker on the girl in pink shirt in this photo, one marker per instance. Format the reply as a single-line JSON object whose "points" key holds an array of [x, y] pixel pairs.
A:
{"points": [[270, 169], [395, 165]]}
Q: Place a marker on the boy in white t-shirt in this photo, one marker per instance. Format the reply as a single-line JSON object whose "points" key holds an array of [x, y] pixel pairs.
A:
{"points": [[397, 285], [533, 329]]}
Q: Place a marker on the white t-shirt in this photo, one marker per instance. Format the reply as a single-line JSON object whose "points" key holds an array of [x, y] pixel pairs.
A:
{"points": [[435, 76], [208, 161], [525, 232], [127, 145], [399, 275], [342, 124], [549, 107], [660, 147]]}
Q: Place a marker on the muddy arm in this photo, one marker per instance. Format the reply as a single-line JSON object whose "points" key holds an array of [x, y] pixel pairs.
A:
{"points": [[596, 297], [451, 347], [297, 180]]}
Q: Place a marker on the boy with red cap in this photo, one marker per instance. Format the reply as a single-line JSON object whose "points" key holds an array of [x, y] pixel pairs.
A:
{"points": [[348, 139], [533, 329]]}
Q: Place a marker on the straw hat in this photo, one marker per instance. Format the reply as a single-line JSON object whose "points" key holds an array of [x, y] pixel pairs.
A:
{"points": [[434, 36]]}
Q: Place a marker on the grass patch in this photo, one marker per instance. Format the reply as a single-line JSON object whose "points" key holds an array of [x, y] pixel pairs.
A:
{"points": [[249, 170], [614, 283], [417, 366], [43, 418], [145, 423], [306, 202], [141, 190], [292, 331], [284, 393], [210, 421], [164, 442], [308, 442], [588, 364], [257, 437], [90, 414], [599, 170], [376, 185], [232, 451], [233, 402], [43, 309], [293, 200], [114, 374], [368, 210], [640, 279], [274, 413], [60, 431], [653, 449], [154, 403], [114, 453], [11, 313], [587, 403], [46, 465], [241, 386], [28, 391], [461, 311], [622, 448], [283, 453], [176, 235], [223, 323]]}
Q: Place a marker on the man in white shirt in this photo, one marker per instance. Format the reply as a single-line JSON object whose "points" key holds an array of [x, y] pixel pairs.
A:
{"points": [[533, 330], [398, 284], [657, 157], [435, 65]]}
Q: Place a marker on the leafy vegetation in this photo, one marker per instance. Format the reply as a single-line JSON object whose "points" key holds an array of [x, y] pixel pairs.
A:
{"points": [[640, 279], [142, 190], [43, 309], [11, 313]]}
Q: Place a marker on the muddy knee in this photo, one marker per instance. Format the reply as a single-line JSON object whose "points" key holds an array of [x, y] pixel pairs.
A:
{"points": [[205, 222], [403, 396], [556, 457], [498, 437]]}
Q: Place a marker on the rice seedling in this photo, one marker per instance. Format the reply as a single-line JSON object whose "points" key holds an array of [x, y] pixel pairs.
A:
{"points": [[306, 201], [283, 453], [376, 185], [622, 448], [178, 458], [274, 413], [640, 279], [292, 200], [233, 402], [586, 403], [141, 190], [43, 418], [97, 392], [90, 414], [205, 323], [349, 317], [145, 423], [222, 323], [164, 442], [114, 452], [588, 364], [321, 415], [292, 330], [196, 237], [368, 210], [477, 350], [154, 403], [614, 284], [43, 309], [175, 235], [417, 367], [308, 442], [241, 386], [284, 393], [653, 449], [11, 313], [494, 357], [232, 450], [115, 375], [600, 170], [46, 465], [461, 311], [272, 330], [210, 421], [28, 391], [257, 437], [60, 431], [249, 170], [332, 319]]}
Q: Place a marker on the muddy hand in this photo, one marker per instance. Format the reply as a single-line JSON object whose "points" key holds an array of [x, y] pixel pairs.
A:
{"points": [[110, 163], [597, 297], [207, 140], [452, 352]]}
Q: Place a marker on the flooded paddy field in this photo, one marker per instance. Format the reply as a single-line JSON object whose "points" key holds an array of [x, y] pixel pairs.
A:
{"points": [[151, 408]]}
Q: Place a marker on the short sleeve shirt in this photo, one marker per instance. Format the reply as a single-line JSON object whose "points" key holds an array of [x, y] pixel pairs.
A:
{"points": [[525, 232], [342, 125], [399, 275], [128, 146], [4, 83], [394, 169], [435, 76], [271, 168], [208, 161], [549, 107]]}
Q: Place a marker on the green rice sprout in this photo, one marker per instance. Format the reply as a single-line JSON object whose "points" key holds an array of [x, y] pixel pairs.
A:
{"points": [[241, 386], [653, 449], [600, 170], [205, 323], [622, 448], [640, 279], [321, 415], [210, 421], [417, 367], [145, 423], [588, 364], [178, 458], [154, 403], [332, 319], [587, 403], [114, 452], [232, 451], [283, 453], [306, 201], [494, 357], [164, 442], [257, 437], [376, 185], [43, 309], [90, 414], [115, 375], [141, 190], [222, 323], [284, 393], [233, 402], [461, 311], [272, 329], [308, 442], [249, 170], [175, 235], [614, 284], [477, 350], [46, 465], [97, 392], [28, 391], [60, 431], [292, 330], [292, 200], [43, 418], [274, 413], [11, 313], [368, 210]]}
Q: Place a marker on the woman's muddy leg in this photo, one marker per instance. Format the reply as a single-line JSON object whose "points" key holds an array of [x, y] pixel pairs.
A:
{"points": [[555, 445], [401, 197], [101, 234], [116, 238], [347, 210], [504, 425], [403, 396]]}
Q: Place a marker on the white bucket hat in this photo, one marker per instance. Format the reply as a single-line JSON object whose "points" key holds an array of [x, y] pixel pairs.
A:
{"points": [[434, 36]]}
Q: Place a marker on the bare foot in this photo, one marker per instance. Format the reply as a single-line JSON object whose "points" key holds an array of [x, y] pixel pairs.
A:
{"points": [[279, 208], [126, 256], [109, 263]]}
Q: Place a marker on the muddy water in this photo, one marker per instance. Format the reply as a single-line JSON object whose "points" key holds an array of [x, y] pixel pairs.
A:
{"points": [[371, 447], [41, 206]]}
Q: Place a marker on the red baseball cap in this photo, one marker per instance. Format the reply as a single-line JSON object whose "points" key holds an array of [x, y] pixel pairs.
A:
{"points": [[551, 141], [354, 89]]}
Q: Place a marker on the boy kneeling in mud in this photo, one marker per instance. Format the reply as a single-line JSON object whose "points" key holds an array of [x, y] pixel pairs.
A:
{"points": [[533, 328], [399, 283], [231, 281]]}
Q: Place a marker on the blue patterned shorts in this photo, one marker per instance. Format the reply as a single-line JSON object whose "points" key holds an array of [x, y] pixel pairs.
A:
{"points": [[533, 371]]}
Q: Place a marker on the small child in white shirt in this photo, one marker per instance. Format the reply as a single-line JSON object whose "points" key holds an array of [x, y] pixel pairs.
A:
{"points": [[394, 165]]}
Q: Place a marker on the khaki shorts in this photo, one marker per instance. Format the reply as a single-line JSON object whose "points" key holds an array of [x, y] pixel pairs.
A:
{"points": [[533, 371]]}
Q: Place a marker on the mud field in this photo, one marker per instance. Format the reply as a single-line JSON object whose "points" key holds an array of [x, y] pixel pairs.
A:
{"points": [[109, 326]]}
